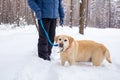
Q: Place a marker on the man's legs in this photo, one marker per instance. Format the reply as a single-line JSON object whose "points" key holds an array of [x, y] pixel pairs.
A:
{"points": [[44, 48], [51, 34], [42, 41]]}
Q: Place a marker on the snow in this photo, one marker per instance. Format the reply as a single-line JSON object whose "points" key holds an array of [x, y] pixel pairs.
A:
{"points": [[80, 1], [19, 60]]}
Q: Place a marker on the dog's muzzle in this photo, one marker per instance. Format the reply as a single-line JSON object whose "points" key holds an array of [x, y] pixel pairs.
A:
{"points": [[61, 46]]}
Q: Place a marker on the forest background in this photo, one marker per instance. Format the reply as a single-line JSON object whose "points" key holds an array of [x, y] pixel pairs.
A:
{"points": [[91, 13]]}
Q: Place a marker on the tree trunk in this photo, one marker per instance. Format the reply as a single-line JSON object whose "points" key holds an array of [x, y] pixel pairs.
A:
{"points": [[71, 14], [109, 13], [9, 12], [4, 11], [86, 18], [35, 21], [82, 18], [0, 11], [18, 13]]}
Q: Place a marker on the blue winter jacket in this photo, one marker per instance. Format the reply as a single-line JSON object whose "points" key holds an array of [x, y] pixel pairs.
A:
{"points": [[48, 8]]}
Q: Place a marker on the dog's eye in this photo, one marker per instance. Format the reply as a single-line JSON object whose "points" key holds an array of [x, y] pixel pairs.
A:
{"points": [[65, 40], [60, 39]]}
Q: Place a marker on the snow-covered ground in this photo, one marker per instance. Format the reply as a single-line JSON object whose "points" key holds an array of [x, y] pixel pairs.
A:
{"points": [[19, 61]]}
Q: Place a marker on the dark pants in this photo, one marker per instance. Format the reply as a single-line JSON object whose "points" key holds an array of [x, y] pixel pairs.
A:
{"points": [[44, 48]]}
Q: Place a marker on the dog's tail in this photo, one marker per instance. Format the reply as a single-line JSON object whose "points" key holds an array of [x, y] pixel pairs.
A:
{"points": [[107, 55]]}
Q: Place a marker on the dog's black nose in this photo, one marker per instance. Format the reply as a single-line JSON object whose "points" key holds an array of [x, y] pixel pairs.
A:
{"points": [[61, 45]]}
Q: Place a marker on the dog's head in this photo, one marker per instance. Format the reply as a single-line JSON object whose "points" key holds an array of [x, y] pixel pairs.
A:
{"points": [[64, 42]]}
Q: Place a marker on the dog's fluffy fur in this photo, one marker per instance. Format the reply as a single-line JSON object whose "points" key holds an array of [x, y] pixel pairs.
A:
{"points": [[81, 51]]}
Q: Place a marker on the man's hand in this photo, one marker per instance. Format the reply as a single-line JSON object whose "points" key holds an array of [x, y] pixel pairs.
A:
{"points": [[61, 22], [38, 15]]}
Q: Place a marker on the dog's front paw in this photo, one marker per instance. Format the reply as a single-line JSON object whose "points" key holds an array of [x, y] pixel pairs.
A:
{"points": [[62, 62]]}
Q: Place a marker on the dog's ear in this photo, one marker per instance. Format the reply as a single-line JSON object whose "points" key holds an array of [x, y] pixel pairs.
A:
{"points": [[56, 39], [71, 39]]}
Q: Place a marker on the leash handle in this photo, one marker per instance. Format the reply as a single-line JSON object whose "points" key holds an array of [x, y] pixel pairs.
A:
{"points": [[47, 34]]}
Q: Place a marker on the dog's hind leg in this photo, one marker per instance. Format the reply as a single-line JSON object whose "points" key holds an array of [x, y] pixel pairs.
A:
{"points": [[71, 62], [63, 62], [97, 59]]}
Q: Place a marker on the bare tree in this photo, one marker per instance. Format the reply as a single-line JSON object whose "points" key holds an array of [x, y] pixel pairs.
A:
{"points": [[4, 11], [109, 13], [86, 12], [82, 16], [71, 14], [18, 12], [35, 22], [95, 13], [117, 14], [0, 11]]}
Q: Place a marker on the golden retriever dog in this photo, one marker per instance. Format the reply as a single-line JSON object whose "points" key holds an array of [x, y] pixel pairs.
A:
{"points": [[81, 51]]}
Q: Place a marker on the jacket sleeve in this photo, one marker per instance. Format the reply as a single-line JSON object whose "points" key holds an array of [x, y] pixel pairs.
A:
{"points": [[61, 11], [33, 5]]}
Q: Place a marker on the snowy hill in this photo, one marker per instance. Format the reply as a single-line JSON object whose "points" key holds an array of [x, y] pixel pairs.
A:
{"points": [[19, 61]]}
